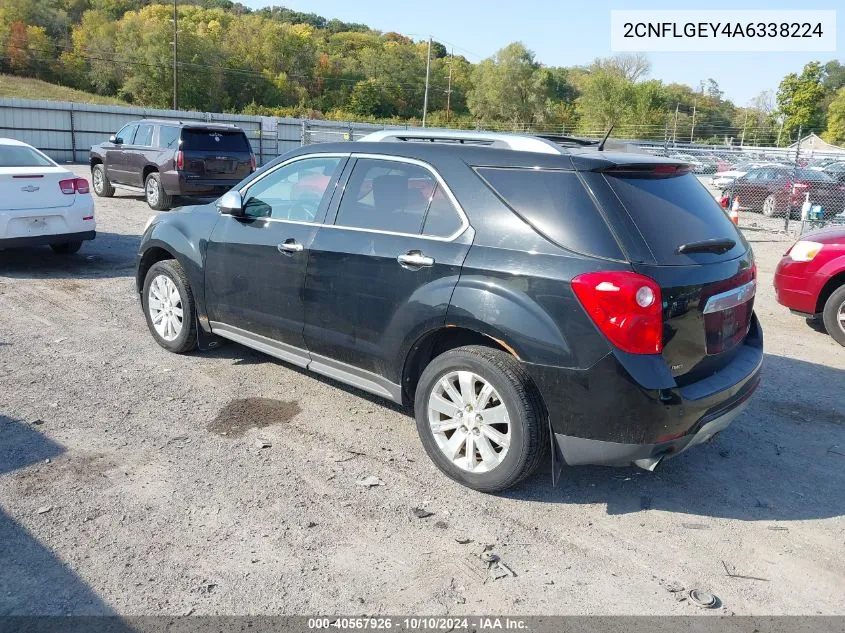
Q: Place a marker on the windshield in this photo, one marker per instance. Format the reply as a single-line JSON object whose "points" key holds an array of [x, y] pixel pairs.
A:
{"points": [[20, 156]]}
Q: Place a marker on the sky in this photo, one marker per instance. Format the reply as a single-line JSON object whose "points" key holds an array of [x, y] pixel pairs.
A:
{"points": [[573, 33]]}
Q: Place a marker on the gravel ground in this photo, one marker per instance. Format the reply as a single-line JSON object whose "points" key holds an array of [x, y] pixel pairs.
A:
{"points": [[131, 480]]}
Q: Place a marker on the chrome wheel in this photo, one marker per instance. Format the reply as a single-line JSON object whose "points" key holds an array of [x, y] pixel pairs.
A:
{"points": [[841, 316], [469, 421], [152, 191], [164, 304], [97, 180], [769, 207]]}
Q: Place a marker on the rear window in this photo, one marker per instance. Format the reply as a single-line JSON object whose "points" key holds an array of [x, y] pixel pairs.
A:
{"points": [[671, 211], [18, 156], [556, 204], [810, 174], [214, 140]]}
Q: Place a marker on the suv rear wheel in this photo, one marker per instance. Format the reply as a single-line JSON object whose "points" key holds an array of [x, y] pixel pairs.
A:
{"points": [[169, 307], [834, 315], [157, 198], [480, 418], [101, 182]]}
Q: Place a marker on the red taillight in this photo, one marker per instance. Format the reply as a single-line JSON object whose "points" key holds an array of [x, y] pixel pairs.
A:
{"points": [[252, 162], [626, 307], [180, 159], [724, 202], [73, 185]]}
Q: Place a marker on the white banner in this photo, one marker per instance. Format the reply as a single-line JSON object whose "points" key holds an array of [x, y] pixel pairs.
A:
{"points": [[722, 30]]}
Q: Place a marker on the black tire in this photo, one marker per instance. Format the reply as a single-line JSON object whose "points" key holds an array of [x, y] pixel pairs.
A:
{"points": [[105, 187], [186, 340], [66, 248], [157, 197], [529, 429], [833, 307]]}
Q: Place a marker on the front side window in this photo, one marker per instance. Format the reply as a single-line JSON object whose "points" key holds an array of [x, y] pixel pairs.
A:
{"points": [[126, 134], [392, 196], [144, 135], [293, 192]]}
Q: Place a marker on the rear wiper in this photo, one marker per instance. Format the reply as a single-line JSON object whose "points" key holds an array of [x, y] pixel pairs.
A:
{"points": [[718, 245]]}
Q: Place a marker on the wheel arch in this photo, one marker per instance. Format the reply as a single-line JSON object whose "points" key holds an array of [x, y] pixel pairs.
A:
{"points": [[829, 288], [438, 341], [148, 169]]}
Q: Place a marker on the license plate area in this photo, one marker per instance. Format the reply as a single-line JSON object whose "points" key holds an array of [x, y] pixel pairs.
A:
{"points": [[727, 317], [220, 166]]}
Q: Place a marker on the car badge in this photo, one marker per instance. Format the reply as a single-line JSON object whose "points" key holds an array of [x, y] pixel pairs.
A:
{"points": [[30, 188]]}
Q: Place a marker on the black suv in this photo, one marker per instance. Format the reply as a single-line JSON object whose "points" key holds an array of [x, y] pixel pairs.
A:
{"points": [[512, 289], [163, 159]]}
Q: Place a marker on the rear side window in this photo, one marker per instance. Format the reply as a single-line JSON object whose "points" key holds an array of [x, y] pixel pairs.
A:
{"points": [[671, 211], [18, 156], [556, 204], [214, 140], [144, 135], [168, 137]]}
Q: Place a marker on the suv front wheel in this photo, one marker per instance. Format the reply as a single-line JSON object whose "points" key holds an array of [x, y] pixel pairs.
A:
{"points": [[480, 418], [169, 307], [101, 182], [157, 197]]}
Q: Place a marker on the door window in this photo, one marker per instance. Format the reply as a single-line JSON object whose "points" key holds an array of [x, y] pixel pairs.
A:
{"points": [[126, 134], [385, 195], [294, 192], [144, 135]]}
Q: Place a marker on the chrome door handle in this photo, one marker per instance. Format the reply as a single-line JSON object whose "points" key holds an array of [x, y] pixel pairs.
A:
{"points": [[415, 259], [290, 246]]}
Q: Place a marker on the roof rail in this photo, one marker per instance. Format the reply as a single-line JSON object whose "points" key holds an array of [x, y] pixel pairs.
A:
{"points": [[518, 142]]}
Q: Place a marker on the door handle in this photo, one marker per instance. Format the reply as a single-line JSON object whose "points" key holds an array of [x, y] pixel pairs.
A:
{"points": [[290, 246], [415, 259]]}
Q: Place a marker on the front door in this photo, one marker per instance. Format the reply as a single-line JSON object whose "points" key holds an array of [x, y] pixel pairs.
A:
{"points": [[384, 269], [116, 160], [255, 265]]}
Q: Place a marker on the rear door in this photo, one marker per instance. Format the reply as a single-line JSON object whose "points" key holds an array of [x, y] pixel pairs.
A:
{"points": [[137, 156], [702, 263], [216, 154], [385, 269]]}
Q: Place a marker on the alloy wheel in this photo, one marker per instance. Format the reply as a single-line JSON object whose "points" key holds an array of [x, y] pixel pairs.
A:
{"points": [[165, 307], [97, 179], [469, 421], [152, 191]]}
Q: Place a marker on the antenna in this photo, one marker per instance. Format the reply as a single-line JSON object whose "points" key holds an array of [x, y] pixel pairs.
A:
{"points": [[604, 140]]}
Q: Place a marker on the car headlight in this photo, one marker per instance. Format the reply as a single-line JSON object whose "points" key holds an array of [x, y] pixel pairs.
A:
{"points": [[149, 222], [804, 250]]}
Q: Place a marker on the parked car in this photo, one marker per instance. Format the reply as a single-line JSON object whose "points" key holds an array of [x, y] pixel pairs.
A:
{"points": [[810, 279], [723, 179], [40, 202], [778, 191], [504, 286], [163, 159], [836, 171]]}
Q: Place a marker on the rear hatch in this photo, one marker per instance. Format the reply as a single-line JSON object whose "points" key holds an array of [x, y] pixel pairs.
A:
{"points": [[33, 188], [216, 154], [701, 262]]}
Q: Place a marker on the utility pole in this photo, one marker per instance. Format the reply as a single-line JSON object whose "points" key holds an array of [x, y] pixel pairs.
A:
{"points": [[742, 140], [175, 53], [449, 89], [692, 129], [675, 129], [427, 75]]}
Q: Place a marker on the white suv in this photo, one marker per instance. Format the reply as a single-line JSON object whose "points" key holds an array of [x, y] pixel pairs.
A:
{"points": [[40, 202]]}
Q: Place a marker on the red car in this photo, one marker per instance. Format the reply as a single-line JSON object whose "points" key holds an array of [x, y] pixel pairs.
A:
{"points": [[810, 279]]}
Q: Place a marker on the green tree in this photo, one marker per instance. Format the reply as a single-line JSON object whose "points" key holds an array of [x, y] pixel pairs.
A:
{"points": [[509, 87], [799, 100], [836, 119]]}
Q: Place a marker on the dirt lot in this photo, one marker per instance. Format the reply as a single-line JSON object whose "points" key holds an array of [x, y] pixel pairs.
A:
{"points": [[131, 480]]}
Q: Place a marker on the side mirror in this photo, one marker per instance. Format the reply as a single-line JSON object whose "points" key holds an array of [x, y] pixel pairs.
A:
{"points": [[231, 203], [116, 141]]}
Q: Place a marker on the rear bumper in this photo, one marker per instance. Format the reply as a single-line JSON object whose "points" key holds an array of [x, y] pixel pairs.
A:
{"points": [[177, 184], [605, 415], [41, 240]]}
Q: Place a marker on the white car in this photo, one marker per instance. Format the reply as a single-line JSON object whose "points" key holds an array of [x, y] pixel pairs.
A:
{"points": [[722, 179], [40, 202]]}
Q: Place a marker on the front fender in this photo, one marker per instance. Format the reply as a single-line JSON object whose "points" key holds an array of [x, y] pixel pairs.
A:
{"points": [[184, 235]]}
